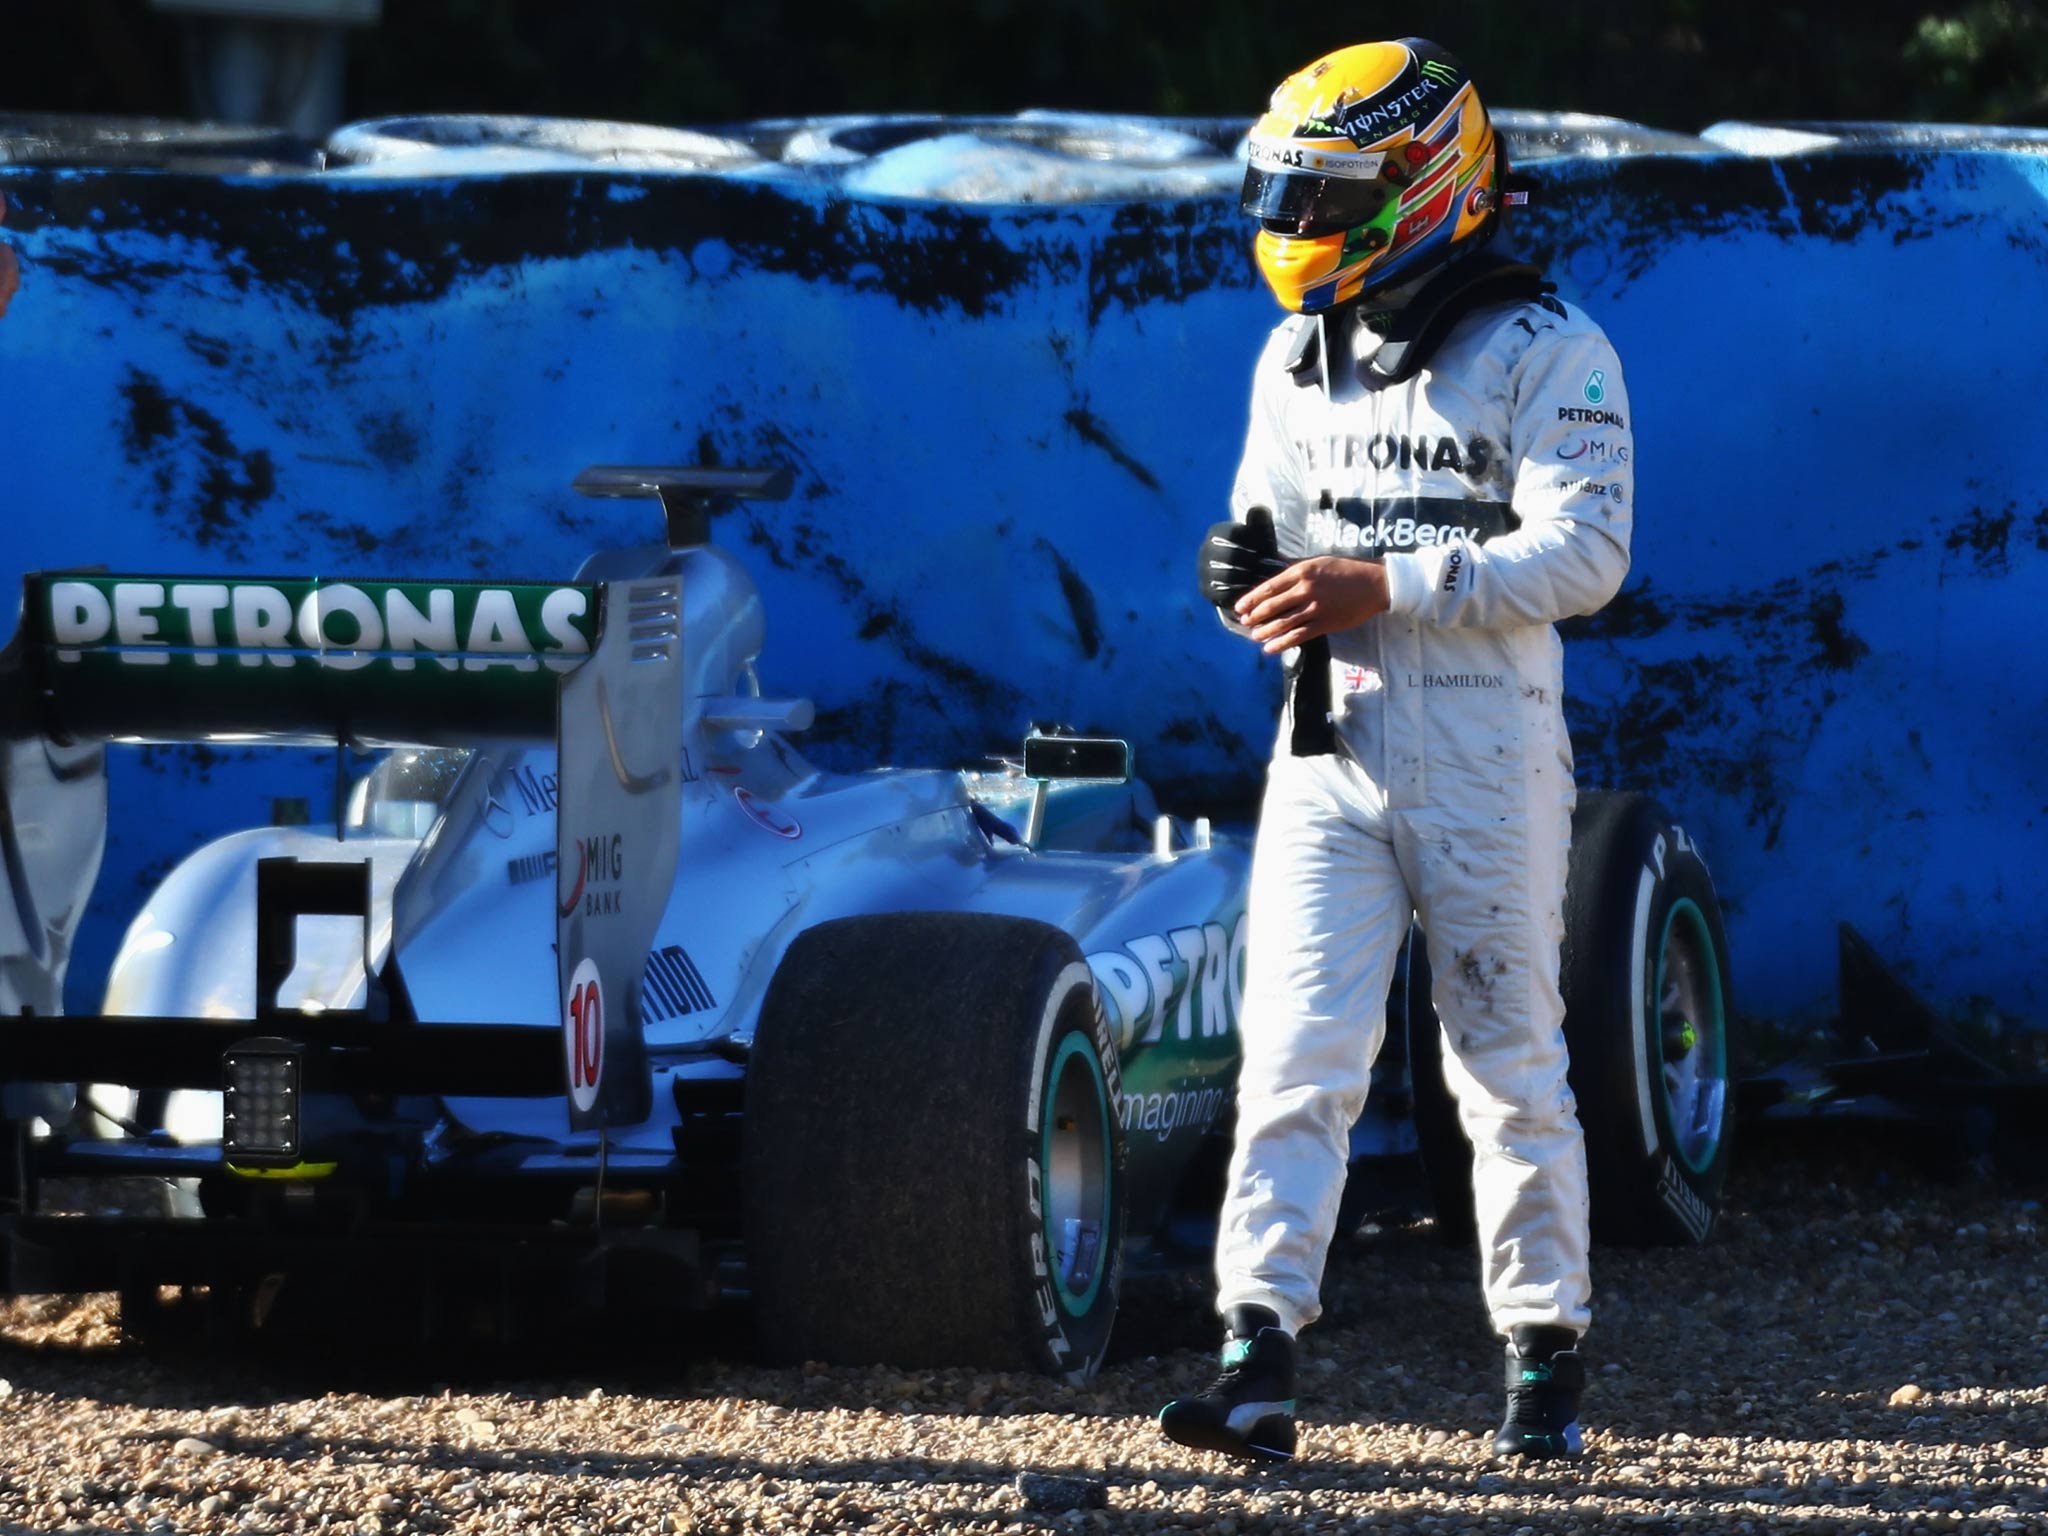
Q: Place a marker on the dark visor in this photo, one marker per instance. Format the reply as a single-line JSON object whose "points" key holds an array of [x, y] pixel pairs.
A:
{"points": [[1298, 203]]}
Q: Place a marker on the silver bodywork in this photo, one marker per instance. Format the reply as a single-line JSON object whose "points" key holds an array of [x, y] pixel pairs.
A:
{"points": [[465, 888]]}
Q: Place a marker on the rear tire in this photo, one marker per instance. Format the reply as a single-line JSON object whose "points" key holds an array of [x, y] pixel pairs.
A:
{"points": [[933, 1163], [1649, 1023]]}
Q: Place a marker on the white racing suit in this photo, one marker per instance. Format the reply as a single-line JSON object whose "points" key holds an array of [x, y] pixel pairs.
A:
{"points": [[1496, 484]]}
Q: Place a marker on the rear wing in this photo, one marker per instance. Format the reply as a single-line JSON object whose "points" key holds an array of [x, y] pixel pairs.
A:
{"points": [[298, 663], [594, 667]]}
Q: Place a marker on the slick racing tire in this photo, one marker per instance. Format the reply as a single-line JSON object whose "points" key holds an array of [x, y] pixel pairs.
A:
{"points": [[933, 1162], [1649, 1020], [1649, 1024]]}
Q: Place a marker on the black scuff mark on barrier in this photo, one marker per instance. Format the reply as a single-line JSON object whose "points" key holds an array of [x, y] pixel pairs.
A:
{"points": [[1647, 204], [1082, 421], [1635, 735], [214, 351], [339, 349], [1754, 780], [1080, 602], [342, 538], [1735, 719], [150, 877], [584, 526], [1630, 614], [964, 684], [152, 415], [342, 247], [1089, 428], [2028, 240], [1986, 536], [973, 703], [485, 556], [469, 471], [197, 471], [1694, 719], [1165, 253], [1205, 730], [1862, 567], [1839, 649], [192, 762], [1739, 717], [874, 727], [392, 439]]}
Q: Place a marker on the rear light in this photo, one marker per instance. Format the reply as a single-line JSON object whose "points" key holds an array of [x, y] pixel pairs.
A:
{"points": [[262, 1110]]}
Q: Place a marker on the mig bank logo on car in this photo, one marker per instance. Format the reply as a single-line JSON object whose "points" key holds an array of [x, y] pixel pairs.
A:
{"points": [[600, 875], [1191, 978]]}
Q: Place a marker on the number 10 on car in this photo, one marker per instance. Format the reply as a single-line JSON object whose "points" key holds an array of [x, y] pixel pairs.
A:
{"points": [[583, 1033]]}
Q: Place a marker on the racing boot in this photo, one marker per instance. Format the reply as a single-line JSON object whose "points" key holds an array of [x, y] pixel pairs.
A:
{"points": [[1545, 1377], [1248, 1411]]}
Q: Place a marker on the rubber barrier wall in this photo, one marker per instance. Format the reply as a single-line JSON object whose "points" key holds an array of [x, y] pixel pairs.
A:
{"points": [[1010, 424]]}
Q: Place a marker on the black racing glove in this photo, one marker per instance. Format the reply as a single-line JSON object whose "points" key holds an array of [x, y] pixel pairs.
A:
{"points": [[1235, 557]]}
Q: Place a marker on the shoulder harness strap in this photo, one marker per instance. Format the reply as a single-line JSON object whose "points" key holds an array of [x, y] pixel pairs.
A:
{"points": [[1306, 347], [1419, 329]]}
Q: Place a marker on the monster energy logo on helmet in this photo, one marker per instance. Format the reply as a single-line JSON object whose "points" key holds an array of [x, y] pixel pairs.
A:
{"points": [[1380, 112]]}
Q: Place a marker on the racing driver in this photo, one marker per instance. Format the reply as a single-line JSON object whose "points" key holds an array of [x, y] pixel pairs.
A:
{"points": [[1438, 468]]}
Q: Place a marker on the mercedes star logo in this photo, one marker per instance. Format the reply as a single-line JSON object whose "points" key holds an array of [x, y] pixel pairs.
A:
{"points": [[496, 814]]}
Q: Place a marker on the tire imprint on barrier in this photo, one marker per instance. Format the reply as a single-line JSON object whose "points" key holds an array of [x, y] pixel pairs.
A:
{"points": [[202, 478], [1738, 714], [1644, 206], [975, 705], [342, 247]]}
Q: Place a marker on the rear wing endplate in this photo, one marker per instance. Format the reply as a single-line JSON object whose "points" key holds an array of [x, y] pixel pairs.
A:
{"points": [[596, 667]]}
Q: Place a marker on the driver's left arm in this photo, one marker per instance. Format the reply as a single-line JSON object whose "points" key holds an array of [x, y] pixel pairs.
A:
{"points": [[1573, 452]]}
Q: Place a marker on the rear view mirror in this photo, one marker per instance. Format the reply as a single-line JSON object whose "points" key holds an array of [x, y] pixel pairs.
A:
{"points": [[1093, 759]]}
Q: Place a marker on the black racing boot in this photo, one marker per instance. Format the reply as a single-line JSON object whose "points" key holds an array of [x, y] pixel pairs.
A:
{"points": [[1248, 1410], [1545, 1377]]}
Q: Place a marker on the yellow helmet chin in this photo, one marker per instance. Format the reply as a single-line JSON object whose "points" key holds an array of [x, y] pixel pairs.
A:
{"points": [[1296, 268], [1372, 166]]}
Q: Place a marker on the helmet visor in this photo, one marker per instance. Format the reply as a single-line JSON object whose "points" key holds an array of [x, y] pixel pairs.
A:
{"points": [[1299, 203]]}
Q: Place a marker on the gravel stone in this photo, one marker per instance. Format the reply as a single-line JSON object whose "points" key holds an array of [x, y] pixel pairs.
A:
{"points": [[1059, 1495], [1745, 1388]]}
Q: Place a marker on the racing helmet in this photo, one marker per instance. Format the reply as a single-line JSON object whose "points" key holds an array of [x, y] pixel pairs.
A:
{"points": [[1371, 166]]}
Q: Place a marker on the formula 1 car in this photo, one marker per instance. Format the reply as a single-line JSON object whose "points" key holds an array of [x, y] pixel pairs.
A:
{"points": [[596, 983]]}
